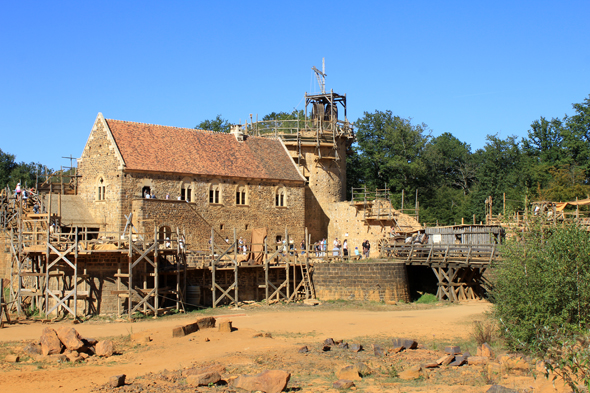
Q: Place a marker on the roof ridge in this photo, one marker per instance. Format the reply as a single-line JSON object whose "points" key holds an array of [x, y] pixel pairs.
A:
{"points": [[161, 125]]}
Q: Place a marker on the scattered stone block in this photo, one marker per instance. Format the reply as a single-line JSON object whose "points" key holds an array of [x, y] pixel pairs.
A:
{"points": [[303, 349], [206, 339], [32, 349], [453, 350], [466, 355], [89, 342], [395, 349], [363, 369], [74, 357], [343, 384], [350, 373], [215, 368], [84, 355], [459, 361], [311, 302], [446, 360], [272, 381], [411, 373], [405, 343], [105, 348], [378, 351], [329, 341], [500, 389], [477, 360], [203, 379], [355, 347], [485, 351], [70, 338], [326, 348], [12, 358], [225, 327], [206, 323], [430, 365], [494, 369], [50, 343], [117, 380], [178, 331], [343, 345]]}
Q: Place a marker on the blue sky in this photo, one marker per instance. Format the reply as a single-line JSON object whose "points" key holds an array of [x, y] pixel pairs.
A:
{"points": [[471, 68]]}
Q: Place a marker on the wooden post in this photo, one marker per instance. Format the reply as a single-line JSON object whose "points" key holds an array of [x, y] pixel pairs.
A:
{"points": [[462, 220], [236, 267], [402, 210], [156, 271], [474, 219], [75, 275], [266, 271]]}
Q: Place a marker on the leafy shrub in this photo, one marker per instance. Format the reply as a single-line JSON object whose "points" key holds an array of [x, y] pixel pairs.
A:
{"points": [[427, 298], [566, 355], [542, 280]]}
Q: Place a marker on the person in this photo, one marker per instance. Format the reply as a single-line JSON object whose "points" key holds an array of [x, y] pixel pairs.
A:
{"points": [[366, 248], [178, 198], [357, 252], [345, 248], [226, 238], [168, 242], [17, 191], [336, 249], [147, 195], [167, 195], [36, 208], [302, 245], [324, 247], [153, 196], [317, 249]]}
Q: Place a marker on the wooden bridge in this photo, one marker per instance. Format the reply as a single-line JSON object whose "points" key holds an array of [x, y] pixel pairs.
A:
{"points": [[459, 268]]}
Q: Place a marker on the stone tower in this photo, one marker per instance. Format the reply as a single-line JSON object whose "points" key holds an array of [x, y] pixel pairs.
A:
{"points": [[318, 144]]}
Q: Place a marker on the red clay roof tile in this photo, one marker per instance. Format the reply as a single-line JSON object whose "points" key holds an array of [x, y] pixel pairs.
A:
{"points": [[154, 148]]}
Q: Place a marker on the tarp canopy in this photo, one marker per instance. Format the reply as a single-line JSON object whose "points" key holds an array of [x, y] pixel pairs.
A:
{"points": [[559, 206], [257, 250]]}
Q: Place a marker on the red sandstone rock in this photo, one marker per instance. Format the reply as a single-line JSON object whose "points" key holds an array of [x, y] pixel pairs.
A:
{"points": [[70, 338], [206, 323], [343, 384], [203, 379], [225, 326], [50, 344], [273, 381], [349, 372], [105, 348]]}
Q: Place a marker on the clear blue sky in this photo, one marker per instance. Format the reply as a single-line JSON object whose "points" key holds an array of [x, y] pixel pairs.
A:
{"points": [[470, 68]]}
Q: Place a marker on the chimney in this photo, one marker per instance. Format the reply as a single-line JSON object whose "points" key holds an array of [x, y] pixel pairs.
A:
{"points": [[236, 130]]}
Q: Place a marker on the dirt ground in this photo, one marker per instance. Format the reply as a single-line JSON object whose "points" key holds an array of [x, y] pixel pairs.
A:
{"points": [[157, 365]]}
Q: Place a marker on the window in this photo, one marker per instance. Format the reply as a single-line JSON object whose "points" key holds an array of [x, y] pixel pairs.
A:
{"points": [[241, 195], [281, 197], [146, 191], [215, 193], [101, 189], [186, 192]]}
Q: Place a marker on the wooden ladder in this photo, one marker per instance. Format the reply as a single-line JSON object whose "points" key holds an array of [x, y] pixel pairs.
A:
{"points": [[305, 277]]}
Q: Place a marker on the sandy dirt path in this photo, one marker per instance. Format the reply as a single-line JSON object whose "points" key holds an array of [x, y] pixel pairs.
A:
{"points": [[288, 326]]}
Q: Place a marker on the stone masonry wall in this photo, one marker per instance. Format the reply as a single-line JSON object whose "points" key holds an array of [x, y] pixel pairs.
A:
{"points": [[361, 281], [99, 160], [197, 217], [346, 220]]}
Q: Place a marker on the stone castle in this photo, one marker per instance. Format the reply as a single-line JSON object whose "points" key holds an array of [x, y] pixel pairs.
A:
{"points": [[274, 174]]}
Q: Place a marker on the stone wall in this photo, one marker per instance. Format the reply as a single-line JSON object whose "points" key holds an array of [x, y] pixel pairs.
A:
{"points": [[198, 217], [100, 160], [361, 281]]}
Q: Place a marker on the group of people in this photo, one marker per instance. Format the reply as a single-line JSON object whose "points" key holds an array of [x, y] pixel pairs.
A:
{"points": [[25, 195], [340, 249]]}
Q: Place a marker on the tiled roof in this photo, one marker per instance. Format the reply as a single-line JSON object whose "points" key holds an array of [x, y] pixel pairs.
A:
{"points": [[154, 148]]}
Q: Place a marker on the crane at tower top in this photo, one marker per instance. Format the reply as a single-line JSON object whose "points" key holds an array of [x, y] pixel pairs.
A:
{"points": [[321, 75]]}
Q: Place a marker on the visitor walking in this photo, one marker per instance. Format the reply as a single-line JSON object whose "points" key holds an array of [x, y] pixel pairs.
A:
{"points": [[345, 248]]}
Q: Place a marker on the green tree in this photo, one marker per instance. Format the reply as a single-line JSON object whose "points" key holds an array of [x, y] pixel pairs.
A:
{"points": [[391, 150], [7, 165], [218, 125]]}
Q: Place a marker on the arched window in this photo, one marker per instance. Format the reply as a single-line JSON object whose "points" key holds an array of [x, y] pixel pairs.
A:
{"points": [[101, 189], [215, 193], [241, 194], [146, 191], [186, 191], [164, 233], [281, 196]]}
